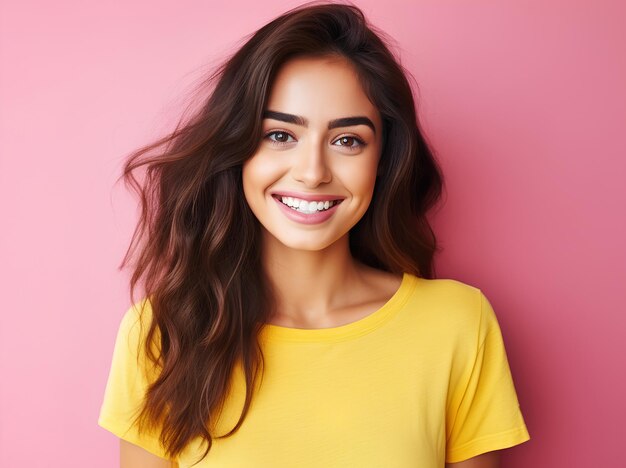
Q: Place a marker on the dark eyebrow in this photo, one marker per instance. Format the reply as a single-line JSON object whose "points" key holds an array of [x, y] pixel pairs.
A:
{"points": [[298, 120]]}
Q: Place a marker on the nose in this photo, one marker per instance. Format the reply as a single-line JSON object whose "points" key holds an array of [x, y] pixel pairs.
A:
{"points": [[310, 165]]}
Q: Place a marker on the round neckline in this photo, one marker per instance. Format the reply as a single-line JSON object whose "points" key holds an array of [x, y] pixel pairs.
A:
{"points": [[357, 328]]}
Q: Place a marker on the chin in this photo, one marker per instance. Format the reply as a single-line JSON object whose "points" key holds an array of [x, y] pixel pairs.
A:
{"points": [[312, 243]]}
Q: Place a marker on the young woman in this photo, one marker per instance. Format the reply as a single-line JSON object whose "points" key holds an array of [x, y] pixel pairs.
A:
{"points": [[290, 315]]}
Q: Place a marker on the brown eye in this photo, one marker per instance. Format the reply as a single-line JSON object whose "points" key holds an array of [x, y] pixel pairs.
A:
{"points": [[279, 137], [348, 142]]}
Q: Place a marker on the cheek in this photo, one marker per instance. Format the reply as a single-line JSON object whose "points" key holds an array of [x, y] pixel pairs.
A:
{"points": [[248, 181], [257, 173], [359, 179], [251, 172], [259, 168]]}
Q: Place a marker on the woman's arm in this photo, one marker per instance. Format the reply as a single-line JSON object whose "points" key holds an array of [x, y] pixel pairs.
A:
{"points": [[133, 456], [484, 460]]}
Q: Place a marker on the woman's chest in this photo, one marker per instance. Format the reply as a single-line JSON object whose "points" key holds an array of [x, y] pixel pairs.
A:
{"points": [[328, 406]]}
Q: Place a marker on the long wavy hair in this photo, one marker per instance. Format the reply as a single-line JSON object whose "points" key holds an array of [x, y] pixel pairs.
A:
{"points": [[197, 243]]}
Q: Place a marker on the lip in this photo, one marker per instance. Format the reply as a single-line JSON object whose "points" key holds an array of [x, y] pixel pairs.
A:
{"points": [[306, 196], [303, 218]]}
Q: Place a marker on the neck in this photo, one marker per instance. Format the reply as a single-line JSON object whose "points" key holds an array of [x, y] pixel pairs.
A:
{"points": [[310, 284]]}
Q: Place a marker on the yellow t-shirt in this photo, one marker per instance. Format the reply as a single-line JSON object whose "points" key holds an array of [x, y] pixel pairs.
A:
{"points": [[421, 381]]}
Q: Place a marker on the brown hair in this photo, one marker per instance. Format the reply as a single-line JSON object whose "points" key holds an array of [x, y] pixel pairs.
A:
{"points": [[198, 242]]}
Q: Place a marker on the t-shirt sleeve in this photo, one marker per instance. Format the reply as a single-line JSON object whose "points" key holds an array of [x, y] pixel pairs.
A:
{"points": [[128, 381], [487, 416]]}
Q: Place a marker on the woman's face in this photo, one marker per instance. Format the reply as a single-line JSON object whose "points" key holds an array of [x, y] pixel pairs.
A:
{"points": [[319, 146]]}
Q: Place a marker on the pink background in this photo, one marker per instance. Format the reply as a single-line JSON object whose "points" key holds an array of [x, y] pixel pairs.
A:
{"points": [[525, 105]]}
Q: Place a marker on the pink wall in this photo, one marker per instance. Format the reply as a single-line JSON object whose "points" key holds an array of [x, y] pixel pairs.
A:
{"points": [[525, 105]]}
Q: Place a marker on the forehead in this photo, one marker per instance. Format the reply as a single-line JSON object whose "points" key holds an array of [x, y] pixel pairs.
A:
{"points": [[319, 88]]}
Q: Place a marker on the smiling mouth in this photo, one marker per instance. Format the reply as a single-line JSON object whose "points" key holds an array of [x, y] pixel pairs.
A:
{"points": [[306, 206]]}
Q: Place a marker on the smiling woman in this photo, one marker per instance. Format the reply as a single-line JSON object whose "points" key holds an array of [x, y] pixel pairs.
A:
{"points": [[291, 315], [331, 153]]}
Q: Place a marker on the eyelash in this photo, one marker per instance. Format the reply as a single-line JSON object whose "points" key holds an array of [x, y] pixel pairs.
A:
{"points": [[360, 142]]}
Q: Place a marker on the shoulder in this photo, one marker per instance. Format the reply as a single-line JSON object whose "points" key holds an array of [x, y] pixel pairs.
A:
{"points": [[455, 308], [455, 297], [140, 311], [138, 316], [448, 288], [134, 326]]}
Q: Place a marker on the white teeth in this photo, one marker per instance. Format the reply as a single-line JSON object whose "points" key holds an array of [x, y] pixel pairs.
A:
{"points": [[307, 207]]}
